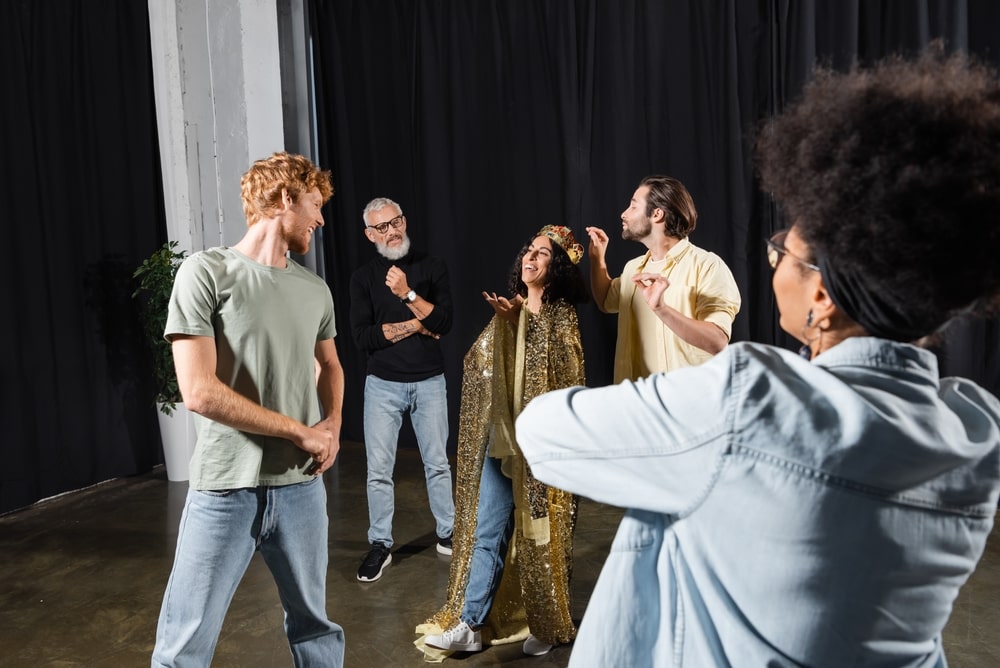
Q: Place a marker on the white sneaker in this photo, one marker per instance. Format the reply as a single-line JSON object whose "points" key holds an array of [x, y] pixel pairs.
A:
{"points": [[458, 638], [535, 647]]}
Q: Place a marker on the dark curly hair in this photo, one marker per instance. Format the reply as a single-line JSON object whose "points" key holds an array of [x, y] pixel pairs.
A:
{"points": [[893, 173], [564, 278]]}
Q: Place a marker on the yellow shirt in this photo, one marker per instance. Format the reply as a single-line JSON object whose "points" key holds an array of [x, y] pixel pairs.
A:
{"points": [[701, 287]]}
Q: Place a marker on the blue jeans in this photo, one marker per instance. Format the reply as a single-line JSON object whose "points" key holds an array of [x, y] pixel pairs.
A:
{"points": [[219, 532], [494, 527], [385, 404]]}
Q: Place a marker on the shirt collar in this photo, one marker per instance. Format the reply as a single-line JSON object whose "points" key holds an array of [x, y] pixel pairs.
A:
{"points": [[869, 351], [673, 255]]}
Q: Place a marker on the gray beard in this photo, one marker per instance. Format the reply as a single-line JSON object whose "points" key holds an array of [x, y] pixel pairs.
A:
{"points": [[394, 253]]}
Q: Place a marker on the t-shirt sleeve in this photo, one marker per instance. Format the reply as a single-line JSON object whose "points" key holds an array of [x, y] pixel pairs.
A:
{"points": [[328, 323], [193, 301]]}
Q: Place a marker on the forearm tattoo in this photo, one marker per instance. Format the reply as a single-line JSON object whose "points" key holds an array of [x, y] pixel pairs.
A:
{"points": [[397, 331]]}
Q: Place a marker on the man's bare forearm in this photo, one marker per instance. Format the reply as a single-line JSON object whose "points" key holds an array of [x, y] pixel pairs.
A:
{"points": [[704, 335], [397, 331], [220, 403], [600, 283], [205, 394]]}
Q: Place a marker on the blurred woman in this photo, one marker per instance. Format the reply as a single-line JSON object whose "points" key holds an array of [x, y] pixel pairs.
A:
{"points": [[819, 509], [513, 535]]}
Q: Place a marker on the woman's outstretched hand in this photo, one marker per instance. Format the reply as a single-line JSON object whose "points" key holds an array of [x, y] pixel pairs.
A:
{"points": [[508, 309]]}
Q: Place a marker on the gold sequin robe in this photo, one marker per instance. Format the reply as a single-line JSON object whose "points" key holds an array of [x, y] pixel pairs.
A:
{"points": [[502, 372]]}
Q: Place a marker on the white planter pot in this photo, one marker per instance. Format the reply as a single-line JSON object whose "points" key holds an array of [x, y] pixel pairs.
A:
{"points": [[178, 435]]}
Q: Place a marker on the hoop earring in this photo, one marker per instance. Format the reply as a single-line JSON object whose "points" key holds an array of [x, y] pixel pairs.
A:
{"points": [[805, 352]]}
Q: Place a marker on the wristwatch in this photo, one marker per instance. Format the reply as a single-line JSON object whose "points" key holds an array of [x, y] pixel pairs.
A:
{"points": [[410, 297]]}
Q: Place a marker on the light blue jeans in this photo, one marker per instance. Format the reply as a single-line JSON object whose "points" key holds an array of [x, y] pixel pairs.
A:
{"points": [[219, 532], [385, 404], [494, 527]]}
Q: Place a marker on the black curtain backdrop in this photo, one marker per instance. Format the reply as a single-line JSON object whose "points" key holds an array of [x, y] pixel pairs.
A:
{"points": [[487, 120], [83, 205]]}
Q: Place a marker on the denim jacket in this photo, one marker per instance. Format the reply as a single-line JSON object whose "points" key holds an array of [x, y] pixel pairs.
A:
{"points": [[782, 512]]}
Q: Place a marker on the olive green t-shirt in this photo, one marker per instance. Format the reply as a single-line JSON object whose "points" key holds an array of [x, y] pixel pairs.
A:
{"points": [[266, 323]]}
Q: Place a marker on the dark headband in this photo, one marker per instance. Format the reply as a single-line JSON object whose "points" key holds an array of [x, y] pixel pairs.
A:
{"points": [[878, 312]]}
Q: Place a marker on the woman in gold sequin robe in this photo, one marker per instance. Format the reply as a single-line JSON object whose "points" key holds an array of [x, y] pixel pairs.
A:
{"points": [[512, 557]]}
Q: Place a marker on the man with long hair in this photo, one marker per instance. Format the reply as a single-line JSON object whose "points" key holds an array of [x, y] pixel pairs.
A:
{"points": [[675, 303]]}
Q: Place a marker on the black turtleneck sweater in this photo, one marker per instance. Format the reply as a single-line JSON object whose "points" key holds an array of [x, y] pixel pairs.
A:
{"points": [[417, 357]]}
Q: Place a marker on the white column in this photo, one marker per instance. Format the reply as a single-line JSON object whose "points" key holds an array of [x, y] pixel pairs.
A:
{"points": [[171, 126], [217, 85]]}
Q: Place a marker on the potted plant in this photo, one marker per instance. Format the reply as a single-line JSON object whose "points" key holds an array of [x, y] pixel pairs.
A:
{"points": [[156, 280], [155, 277]]}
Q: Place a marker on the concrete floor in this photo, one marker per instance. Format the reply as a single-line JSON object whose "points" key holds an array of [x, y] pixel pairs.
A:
{"points": [[82, 577]]}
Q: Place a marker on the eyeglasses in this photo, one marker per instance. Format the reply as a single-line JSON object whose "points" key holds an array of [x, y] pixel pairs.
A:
{"points": [[396, 223], [776, 249]]}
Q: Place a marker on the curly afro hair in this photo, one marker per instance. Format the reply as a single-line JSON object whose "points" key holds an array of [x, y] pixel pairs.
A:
{"points": [[565, 280], [893, 173]]}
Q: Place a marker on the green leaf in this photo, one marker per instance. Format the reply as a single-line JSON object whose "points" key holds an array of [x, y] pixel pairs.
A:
{"points": [[155, 281]]}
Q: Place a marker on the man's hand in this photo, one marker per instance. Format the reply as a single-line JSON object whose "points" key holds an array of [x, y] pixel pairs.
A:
{"points": [[598, 243], [395, 280], [508, 309], [600, 280], [652, 287], [322, 443], [699, 333]]}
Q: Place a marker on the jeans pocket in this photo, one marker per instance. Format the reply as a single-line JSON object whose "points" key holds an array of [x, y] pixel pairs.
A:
{"points": [[215, 493]]}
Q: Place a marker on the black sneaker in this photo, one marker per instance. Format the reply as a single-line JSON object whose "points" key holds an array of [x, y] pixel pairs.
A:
{"points": [[376, 561], [444, 546]]}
